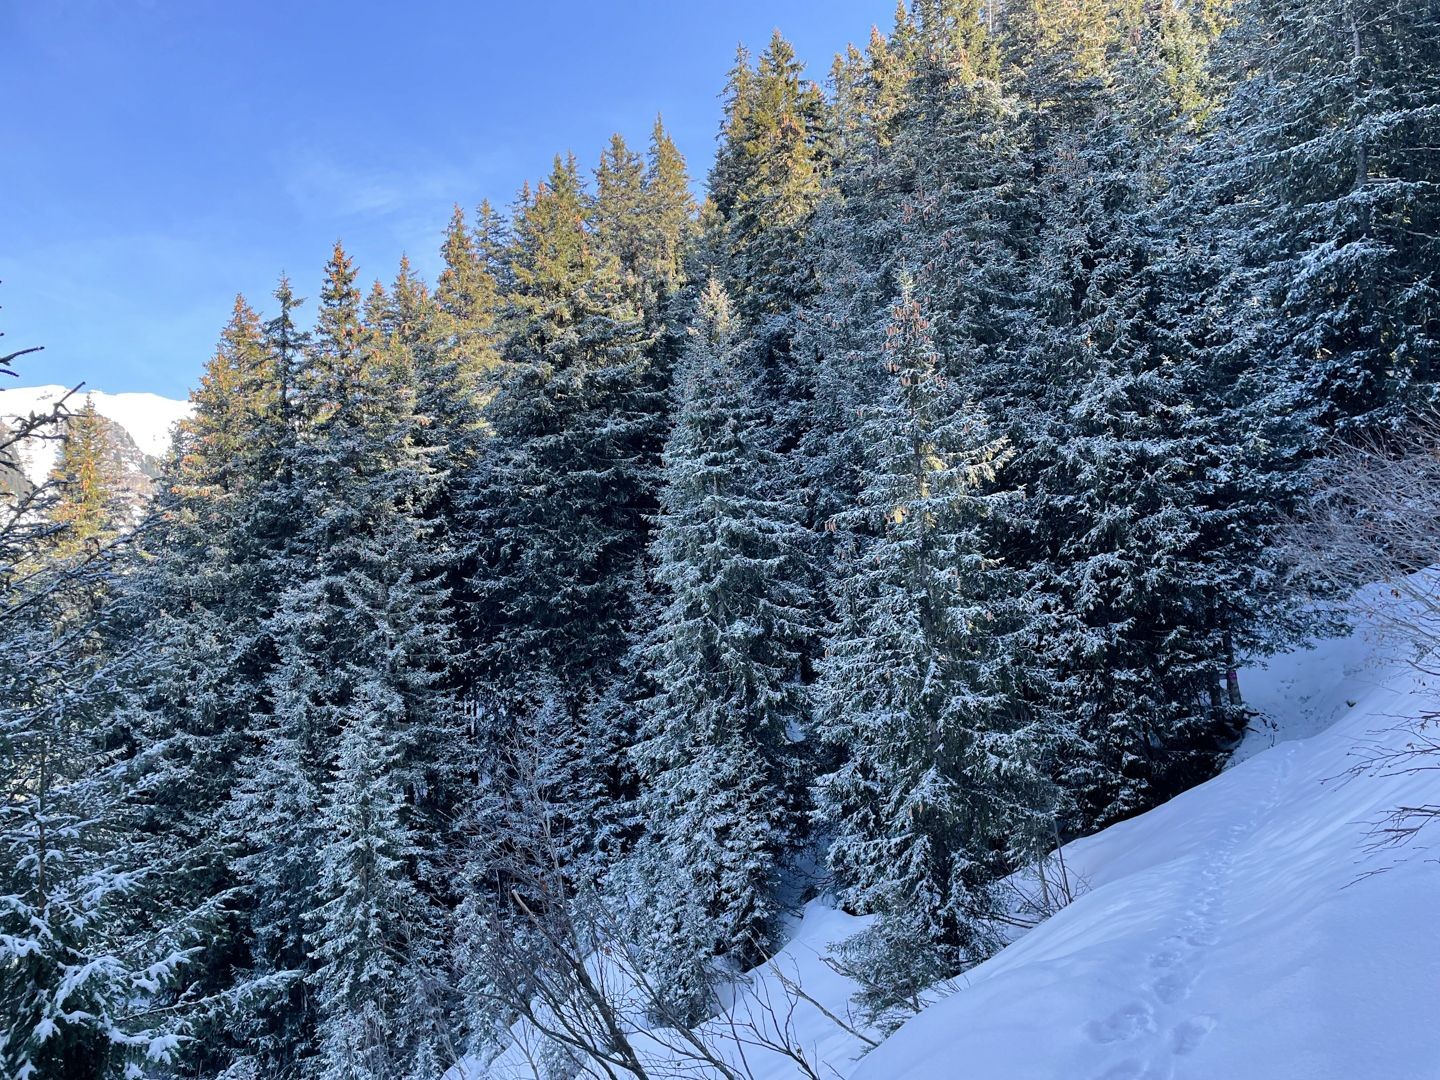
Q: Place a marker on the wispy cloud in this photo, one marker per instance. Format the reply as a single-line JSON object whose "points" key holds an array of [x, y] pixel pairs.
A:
{"points": [[323, 184]]}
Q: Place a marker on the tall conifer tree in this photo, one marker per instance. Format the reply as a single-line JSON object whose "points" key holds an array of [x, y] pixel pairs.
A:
{"points": [[941, 785], [576, 434], [721, 761], [82, 950], [1322, 180]]}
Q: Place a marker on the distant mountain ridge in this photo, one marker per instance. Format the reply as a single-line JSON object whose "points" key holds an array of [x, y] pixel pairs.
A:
{"points": [[141, 429]]}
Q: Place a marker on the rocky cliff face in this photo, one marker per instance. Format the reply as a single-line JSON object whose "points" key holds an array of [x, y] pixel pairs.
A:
{"points": [[13, 480]]}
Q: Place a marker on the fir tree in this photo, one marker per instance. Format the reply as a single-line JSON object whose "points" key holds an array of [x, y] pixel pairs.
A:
{"points": [[84, 957], [90, 505], [937, 182], [199, 602], [366, 688], [1128, 464], [358, 629], [619, 214], [766, 183], [668, 211], [559, 504], [85, 947]]}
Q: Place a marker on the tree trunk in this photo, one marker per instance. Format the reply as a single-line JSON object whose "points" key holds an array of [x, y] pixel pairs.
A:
{"points": [[1232, 677]]}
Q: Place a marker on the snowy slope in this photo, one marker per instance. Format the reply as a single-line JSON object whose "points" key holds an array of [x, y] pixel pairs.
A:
{"points": [[1239, 931], [1242, 931], [147, 418]]}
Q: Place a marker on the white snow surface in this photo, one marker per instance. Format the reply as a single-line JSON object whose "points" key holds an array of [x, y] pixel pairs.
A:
{"points": [[1246, 930], [149, 419], [1243, 930]]}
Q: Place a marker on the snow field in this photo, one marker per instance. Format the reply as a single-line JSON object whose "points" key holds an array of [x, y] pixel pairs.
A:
{"points": [[1243, 930]]}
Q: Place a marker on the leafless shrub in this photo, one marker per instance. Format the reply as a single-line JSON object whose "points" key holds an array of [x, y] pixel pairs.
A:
{"points": [[1377, 521], [1041, 890], [569, 994]]}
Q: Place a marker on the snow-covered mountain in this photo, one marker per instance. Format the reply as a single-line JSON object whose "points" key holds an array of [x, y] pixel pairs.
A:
{"points": [[1247, 929], [142, 426]]}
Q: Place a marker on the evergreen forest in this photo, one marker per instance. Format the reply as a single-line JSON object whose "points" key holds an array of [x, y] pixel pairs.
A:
{"points": [[864, 519]]}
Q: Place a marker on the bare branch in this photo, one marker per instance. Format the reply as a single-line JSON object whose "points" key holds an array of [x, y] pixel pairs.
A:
{"points": [[1378, 522]]}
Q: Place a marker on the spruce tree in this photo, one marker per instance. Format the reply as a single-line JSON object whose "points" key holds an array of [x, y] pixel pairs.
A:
{"points": [[668, 211], [941, 785], [84, 955], [861, 231], [364, 634], [619, 214], [90, 501], [766, 183], [768, 178], [1322, 178], [559, 505], [199, 601], [1032, 332], [720, 759], [1128, 526], [558, 511], [336, 804], [936, 182], [453, 339]]}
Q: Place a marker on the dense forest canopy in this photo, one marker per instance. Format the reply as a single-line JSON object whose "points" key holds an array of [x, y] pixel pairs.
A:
{"points": [[894, 513]]}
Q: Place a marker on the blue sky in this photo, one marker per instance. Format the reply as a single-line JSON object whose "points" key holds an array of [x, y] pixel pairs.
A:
{"points": [[161, 156]]}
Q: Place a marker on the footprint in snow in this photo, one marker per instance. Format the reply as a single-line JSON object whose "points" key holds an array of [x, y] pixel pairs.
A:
{"points": [[1187, 1035], [1126, 1070], [1134, 1069], [1173, 986], [1130, 1021], [1166, 958]]}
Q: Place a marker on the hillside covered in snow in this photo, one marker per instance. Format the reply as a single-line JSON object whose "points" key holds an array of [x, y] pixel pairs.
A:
{"points": [[1251, 928], [1248, 929]]}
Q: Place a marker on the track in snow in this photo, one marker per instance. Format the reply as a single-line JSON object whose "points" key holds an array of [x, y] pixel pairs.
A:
{"points": [[1154, 1033]]}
